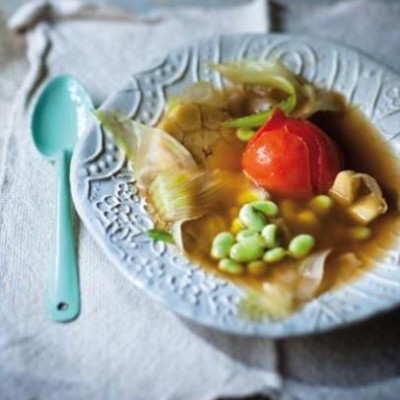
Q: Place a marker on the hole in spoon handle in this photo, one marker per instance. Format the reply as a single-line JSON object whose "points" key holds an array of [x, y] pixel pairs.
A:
{"points": [[62, 306], [63, 311]]}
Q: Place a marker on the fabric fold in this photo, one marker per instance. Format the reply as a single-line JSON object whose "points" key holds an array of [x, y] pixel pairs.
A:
{"points": [[35, 12]]}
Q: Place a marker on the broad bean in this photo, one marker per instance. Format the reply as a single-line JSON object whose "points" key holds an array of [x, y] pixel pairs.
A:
{"points": [[221, 245], [301, 245], [246, 234], [254, 215], [249, 249], [274, 255], [267, 207], [270, 235], [251, 218]]}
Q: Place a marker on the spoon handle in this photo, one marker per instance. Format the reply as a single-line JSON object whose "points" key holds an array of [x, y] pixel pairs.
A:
{"points": [[63, 303]]}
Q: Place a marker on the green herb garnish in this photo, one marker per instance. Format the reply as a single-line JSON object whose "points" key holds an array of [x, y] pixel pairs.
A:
{"points": [[160, 235]]}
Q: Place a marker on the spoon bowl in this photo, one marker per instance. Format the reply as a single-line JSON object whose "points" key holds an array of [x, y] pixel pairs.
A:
{"points": [[61, 115]]}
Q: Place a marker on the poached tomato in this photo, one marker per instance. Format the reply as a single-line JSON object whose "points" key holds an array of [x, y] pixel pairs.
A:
{"points": [[291, 157]]}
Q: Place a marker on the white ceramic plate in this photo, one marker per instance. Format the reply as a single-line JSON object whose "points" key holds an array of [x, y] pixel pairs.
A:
{"points": [[107, 200]]}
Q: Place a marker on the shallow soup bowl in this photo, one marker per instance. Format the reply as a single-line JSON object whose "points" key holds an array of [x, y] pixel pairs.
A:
{"points": [[108, 201]]}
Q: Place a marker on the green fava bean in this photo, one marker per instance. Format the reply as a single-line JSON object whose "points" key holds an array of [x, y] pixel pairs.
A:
{"points": [[267, 207], [274, 255], [251, 218], [301, 245], [249, 249], [246, 234], [270, 235], [221, 245], [231, 267]]}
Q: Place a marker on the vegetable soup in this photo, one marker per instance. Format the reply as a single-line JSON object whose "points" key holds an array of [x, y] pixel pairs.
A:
{"points": [[274, 183]]}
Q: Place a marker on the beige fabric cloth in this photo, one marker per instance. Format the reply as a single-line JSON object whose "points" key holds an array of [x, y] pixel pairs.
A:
{"points": [[13, 67], [123, 346]]}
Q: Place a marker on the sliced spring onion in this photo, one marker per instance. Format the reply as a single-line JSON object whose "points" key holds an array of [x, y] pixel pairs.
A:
{"points": [[272, 74], [245, 134], [256, 120], [160, 235], [303, 98]]}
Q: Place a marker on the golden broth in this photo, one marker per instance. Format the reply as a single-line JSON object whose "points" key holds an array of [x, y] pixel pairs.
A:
{"points": [[364, 152]]}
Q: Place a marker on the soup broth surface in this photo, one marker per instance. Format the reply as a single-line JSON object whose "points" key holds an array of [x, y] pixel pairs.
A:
{"points": [[364, 151]]}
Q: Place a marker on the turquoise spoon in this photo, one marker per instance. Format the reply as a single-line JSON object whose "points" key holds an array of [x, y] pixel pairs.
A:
{"points": [[61, 114]]}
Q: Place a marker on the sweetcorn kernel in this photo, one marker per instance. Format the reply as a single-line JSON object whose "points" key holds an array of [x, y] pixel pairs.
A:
{"points": [[250, 195], [288, 209], [187, 116], [256, 268], [321, 204], [236, 226], [170, 126], [359, 233], [308, 219]]}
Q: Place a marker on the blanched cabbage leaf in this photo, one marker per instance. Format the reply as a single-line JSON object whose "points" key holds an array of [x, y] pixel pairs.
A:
{"points": [[275, 302], [278, 299], [311, 275], [176, 187], [150, 150], [201, 93]]}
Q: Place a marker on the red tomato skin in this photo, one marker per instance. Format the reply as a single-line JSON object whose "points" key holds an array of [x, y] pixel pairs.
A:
{"points": [[326, 159], [285, 175], [291, 157]]}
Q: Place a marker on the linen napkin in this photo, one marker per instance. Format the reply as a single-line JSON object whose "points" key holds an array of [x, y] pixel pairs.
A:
{"points": [[123, 346], [12, 69]]}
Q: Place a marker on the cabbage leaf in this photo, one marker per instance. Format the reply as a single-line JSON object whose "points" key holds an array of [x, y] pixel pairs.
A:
{"points": [[165, 170]]}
